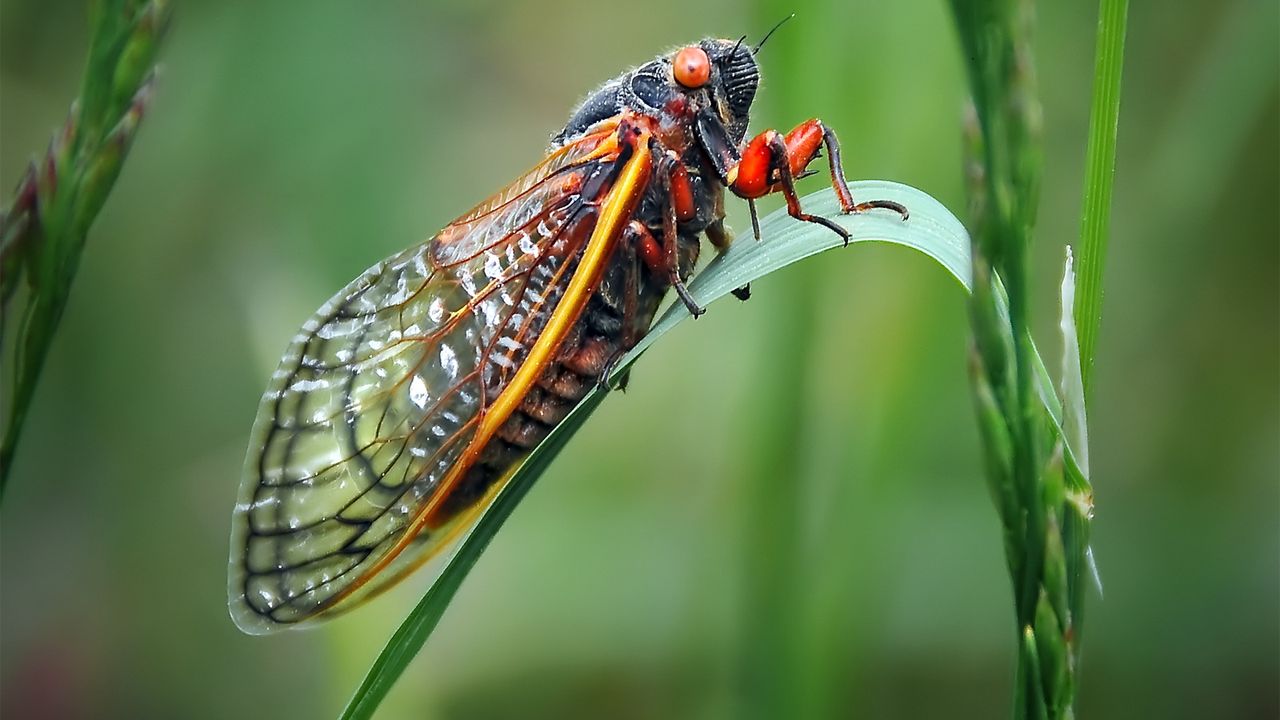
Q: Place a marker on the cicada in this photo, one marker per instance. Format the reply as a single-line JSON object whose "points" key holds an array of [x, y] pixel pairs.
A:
{"points": [[401, 407]]}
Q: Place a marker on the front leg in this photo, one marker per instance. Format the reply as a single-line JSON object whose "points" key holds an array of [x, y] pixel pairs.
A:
{"points": [[721, 238], [771, 163]]}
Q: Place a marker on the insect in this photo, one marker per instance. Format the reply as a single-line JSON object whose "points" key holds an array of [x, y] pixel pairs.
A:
{"points": [[402, 405]]}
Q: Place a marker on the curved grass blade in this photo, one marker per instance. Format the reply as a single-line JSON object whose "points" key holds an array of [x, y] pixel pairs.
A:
{"points": [[932, 230]]}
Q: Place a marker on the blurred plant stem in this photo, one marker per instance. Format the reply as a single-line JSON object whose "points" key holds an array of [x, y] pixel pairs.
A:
{"points": [[43, 231], [1037, 474]]}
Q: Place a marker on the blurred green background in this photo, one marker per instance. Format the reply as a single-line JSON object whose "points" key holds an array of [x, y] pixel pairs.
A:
{"points": [[291, 145]]}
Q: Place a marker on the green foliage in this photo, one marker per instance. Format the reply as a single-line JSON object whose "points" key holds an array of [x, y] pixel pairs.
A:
{"points": [[43, 231], [285, 154], [1100, 164]]}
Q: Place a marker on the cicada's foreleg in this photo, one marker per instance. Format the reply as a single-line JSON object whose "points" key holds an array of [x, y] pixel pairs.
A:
{"points": [[721, 238], [719, 235], [771, 162], [805, 137], [755, 218]]}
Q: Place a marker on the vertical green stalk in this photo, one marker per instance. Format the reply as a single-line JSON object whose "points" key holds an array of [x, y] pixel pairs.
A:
{"points": [[1042, 497], [43, 230], [1100, 164]]}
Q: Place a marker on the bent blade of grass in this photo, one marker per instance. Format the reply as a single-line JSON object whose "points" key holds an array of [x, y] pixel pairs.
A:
{"points": [[932, 230]]}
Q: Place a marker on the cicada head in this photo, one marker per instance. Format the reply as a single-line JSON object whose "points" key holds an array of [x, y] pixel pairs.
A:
{"points": [[715, 76], [732, 83]]}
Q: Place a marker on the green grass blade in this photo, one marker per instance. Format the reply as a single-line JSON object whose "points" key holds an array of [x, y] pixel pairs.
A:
{"points": [[932, 230], [1100, 165]]}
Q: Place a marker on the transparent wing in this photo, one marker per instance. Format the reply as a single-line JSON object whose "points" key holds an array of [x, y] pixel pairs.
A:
{"points": [[380, 393]]}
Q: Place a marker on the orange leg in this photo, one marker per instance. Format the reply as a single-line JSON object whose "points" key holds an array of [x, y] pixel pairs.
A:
{"points": [[678, 193], [682, 193], [646, 247], [771, 163]]}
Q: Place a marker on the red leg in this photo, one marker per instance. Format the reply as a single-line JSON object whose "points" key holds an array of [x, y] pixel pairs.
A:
{"points": [[682, 193], [670, 168], [646, 246], [787, 186], [770, 163]]}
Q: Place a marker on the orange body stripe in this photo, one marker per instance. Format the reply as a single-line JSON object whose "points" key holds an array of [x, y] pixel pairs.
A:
{"points": [[618, 207]]}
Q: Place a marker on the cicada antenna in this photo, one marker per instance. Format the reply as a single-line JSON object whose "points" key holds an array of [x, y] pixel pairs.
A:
{"points": [[771, 32]]}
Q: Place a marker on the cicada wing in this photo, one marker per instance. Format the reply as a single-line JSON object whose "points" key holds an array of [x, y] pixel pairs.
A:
{"points": [[359, 421], [380, 394]]}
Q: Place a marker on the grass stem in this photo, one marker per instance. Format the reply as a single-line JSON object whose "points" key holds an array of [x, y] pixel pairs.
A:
{"points": [[44, 228]]}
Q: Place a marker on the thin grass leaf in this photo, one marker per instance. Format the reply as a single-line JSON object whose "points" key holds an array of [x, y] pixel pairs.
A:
{"points": [[932, 230], [1100, 166]]}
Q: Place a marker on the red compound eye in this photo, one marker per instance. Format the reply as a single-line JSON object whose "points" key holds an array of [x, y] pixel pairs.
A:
{"points": [[691, 67]]}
